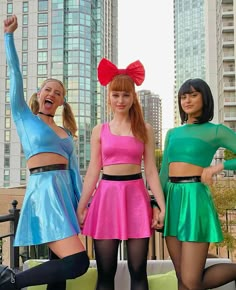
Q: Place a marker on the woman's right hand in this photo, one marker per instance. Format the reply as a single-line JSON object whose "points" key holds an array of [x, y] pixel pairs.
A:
{"points": [[10, 24]]}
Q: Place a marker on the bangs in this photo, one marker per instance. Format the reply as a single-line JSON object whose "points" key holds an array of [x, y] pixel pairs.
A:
{"points": [[190, 86], [122, 83]]}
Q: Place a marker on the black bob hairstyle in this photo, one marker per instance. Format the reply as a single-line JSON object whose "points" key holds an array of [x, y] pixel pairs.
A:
{"points": [[202, 87]]}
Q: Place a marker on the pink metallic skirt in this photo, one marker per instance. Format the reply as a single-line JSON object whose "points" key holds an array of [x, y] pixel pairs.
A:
{"points": [[119, 210]]}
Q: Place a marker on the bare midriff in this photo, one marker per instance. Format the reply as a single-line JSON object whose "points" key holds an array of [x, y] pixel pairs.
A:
{"points": [[122, 169], [184, 169], [44, 159]]}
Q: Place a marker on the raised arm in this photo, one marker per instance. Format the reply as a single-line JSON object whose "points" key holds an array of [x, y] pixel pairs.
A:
{"points": [[17, 100]]}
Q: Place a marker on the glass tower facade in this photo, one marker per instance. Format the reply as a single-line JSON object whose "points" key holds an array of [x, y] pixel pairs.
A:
{"points": [[63, 39], [189, 42]]}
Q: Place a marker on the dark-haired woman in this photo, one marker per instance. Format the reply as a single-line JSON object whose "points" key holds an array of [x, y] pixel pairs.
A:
{"points": [[191, 220]]}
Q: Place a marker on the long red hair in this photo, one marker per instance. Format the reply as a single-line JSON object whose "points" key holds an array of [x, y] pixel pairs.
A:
{"points": [[123, 83]]}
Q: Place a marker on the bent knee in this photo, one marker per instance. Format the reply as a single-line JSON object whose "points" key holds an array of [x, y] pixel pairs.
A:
{"points": [[76, 265], [191, 284]]}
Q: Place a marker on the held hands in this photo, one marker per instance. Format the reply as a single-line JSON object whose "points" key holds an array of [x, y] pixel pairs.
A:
{"points": [[157, 218], [10, 24], [81, 215]]}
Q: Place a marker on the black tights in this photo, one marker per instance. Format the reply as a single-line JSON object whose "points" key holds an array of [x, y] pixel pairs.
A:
{"points": [[106, 252], [189, 260]]}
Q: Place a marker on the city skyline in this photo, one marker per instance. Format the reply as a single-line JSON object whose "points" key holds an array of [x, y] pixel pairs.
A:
{"points": [[146, 33]]}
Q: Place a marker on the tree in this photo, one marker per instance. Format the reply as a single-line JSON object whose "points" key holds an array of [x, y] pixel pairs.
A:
{"points": [[229, 154], [225, 199]]}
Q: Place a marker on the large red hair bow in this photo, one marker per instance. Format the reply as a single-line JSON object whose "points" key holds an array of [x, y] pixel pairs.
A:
{"points": [[107, 71]]}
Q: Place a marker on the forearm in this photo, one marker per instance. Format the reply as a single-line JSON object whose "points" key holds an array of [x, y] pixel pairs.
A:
{"points": [[156, 189], [16, 82], [89, 186]]}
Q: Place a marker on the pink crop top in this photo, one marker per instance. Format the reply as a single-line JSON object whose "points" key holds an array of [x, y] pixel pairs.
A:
{"points": [[120, 149]]}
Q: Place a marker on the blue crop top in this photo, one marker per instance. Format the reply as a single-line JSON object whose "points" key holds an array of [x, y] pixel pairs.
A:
{"points": [[196, 144], [120, 149], [35, 135]]}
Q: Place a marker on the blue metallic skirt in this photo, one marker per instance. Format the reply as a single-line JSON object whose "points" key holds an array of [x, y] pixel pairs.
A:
{"points": [[49, 209]]}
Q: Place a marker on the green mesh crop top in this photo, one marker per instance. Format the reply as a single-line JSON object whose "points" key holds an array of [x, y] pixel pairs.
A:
{"points": [[196, 144]]}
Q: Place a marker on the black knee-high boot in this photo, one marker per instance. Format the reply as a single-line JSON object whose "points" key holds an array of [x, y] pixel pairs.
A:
{"points": [[59, 285], [54, 271]]}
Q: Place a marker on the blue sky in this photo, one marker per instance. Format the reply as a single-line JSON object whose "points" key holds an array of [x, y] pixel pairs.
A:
{"points": [[146, 33]]}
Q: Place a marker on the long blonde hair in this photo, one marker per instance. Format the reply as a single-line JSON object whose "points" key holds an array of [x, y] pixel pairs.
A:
{"points": [[68, 118], [124, 83]]}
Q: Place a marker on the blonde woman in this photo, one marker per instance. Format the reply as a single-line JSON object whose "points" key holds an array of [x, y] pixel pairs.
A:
{"points": [[48, 214]]}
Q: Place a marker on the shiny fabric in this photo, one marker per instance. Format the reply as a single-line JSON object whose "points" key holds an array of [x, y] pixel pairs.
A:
{"points": [[49, 209], [196, 144], [119, 210], [191, 214], [107, 71], [35, 135], [130, 151]]}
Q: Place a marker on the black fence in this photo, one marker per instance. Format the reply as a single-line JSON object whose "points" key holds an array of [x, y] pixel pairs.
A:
{"points": [[13, 218], [18, 255]]}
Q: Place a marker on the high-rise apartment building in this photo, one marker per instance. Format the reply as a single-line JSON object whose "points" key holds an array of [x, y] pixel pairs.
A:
{"points": [[152, 112], [189, 42], [226, 58], [205, 47], [63, 39]]}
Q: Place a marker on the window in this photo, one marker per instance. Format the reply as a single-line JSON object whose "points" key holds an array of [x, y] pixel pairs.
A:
{"points": [[6, 175], [22, 162], [25, 32], [42, 69], [42, 31], [7, 122], [42, 56], [43, 5], [7, 148], [57, 4], [42, 43], [57, 42], [43, 18], [24, 70], [25, 20], [57, 55], [24, 57], [23, 175], [25, 7], [24, 44], [7, 136], [7, 110], [10, 8], [6, 162]]}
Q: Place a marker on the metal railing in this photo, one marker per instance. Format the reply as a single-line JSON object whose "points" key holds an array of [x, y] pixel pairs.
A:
{"points": [[13, 218], [20, 254]]}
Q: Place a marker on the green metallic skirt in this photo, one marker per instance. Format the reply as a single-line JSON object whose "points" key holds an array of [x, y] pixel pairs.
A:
{"points": [[190, 213]]}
